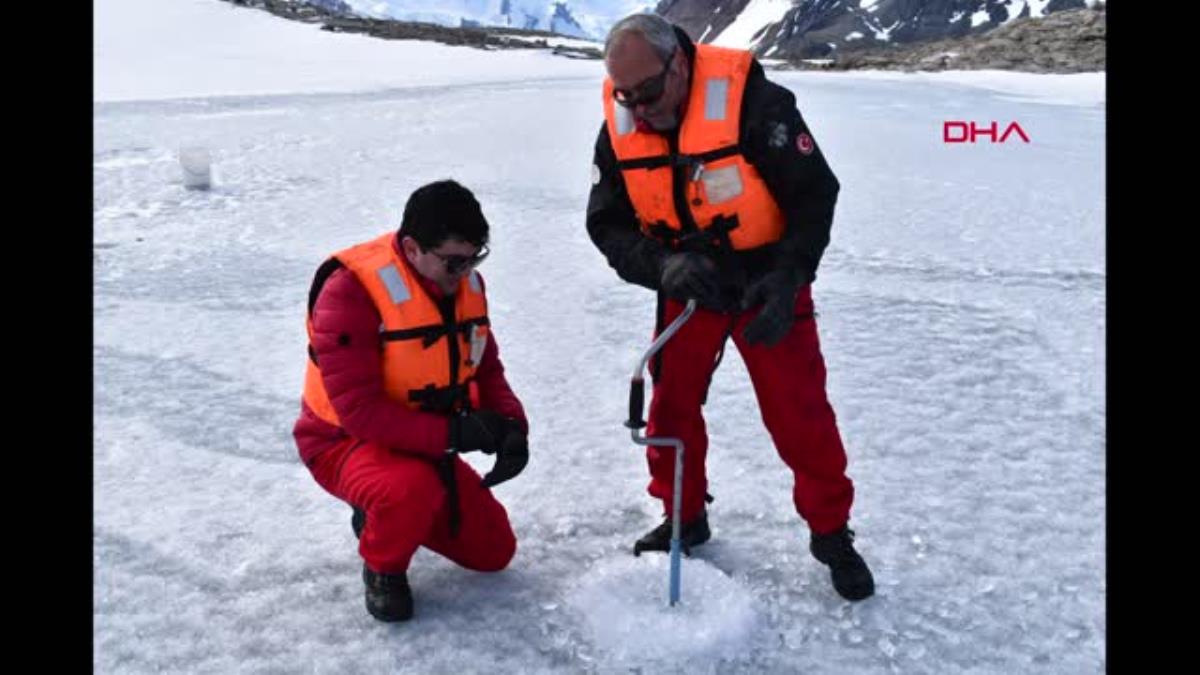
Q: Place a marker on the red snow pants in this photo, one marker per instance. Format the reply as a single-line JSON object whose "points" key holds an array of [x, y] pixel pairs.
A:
{"points": [[789, 383], [405, 502]]}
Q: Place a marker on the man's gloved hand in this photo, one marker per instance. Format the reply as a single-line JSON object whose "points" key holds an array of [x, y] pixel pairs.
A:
{"points": [[689, 275], [776, 292], [511, 458], [483, 430]]}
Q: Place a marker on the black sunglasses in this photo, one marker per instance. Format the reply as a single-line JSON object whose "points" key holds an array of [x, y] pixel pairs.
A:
{"points": [[646, 92], [457, 263]]}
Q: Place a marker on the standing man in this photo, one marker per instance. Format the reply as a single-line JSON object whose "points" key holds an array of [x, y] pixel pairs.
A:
{"points": [[707, 184], [403, 375]]}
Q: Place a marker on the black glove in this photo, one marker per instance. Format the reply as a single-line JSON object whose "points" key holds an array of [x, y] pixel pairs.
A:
{"points": [[510, 459], [690, 275], [776, 292], [483, 430]]}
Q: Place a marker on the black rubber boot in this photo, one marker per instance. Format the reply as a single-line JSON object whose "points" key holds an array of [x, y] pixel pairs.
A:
{"points": [[691, 534], [851, 577], [388, 596]]}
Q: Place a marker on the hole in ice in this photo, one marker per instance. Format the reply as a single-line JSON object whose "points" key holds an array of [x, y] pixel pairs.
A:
{"points": [[624, 606]]}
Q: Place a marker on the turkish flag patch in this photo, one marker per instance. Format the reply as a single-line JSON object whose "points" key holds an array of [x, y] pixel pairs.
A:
{"points": [[804, 143]]}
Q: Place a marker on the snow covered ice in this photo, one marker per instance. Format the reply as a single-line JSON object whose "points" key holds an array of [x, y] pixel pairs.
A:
{"points": [[623, 602], [962, 318]]}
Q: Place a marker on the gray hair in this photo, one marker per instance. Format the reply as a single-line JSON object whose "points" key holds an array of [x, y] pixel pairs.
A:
{"points": [[656, 30]]}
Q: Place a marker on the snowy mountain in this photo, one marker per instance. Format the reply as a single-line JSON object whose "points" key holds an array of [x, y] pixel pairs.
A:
{"points": [[578, 18], [819, 28]]}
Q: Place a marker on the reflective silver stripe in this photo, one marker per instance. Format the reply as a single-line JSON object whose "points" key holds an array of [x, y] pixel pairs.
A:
{"points": [[390, 276], [624, 118], [474, 281], [716, 93]]}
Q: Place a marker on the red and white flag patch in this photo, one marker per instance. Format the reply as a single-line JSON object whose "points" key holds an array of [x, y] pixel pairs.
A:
{"points": [[804, 143]]}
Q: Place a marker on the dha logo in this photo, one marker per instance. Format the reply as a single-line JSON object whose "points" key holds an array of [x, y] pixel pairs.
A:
{"points": [[967, 132]]}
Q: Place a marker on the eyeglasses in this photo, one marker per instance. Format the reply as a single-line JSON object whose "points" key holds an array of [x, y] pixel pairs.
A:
{"points": [[646, 92], [457, 263]]}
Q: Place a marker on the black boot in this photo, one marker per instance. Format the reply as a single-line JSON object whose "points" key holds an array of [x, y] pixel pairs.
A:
{"points": [[388, 596], [357, 520], [691, 534], [851, 577]]}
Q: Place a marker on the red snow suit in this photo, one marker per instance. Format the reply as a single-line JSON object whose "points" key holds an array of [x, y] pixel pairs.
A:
{"points": [[378, 450]]}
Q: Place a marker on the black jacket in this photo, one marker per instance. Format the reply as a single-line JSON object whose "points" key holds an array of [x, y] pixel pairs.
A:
{"points": [[803, 185]]}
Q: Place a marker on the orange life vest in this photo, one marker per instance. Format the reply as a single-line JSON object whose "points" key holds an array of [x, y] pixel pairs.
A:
{"points": [[428, 359], [727, 198]]}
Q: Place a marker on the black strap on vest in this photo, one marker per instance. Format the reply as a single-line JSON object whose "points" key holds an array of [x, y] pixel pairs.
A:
{"points": [[679, 159], [453, 399], [446, 465], [326, 270], [434, 332], [445, 469]]}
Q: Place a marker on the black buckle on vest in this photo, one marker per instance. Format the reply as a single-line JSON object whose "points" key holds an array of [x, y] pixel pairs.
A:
{"points": [[700, 241], [444, 400], [433, 336], [678, 160]]}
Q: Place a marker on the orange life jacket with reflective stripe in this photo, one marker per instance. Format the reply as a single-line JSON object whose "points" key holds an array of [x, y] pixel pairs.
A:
{"points": [[723, 190], [429, 360]]}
